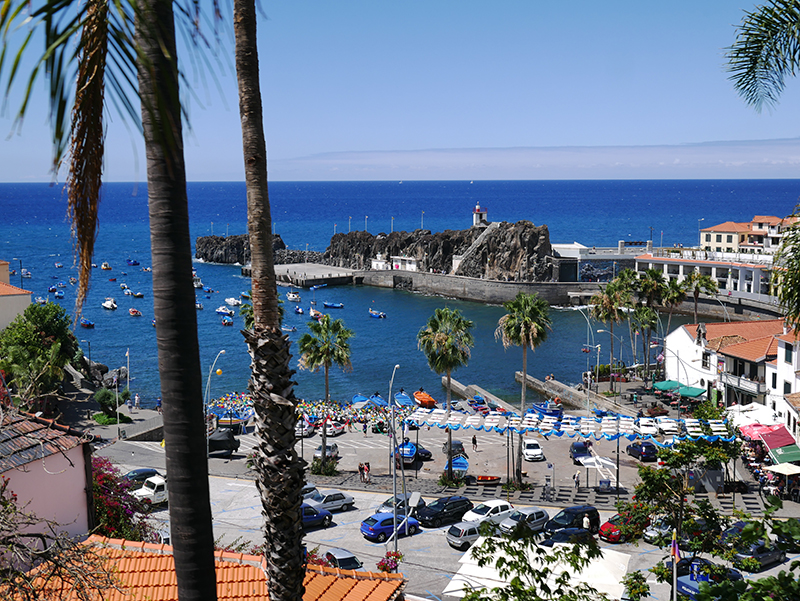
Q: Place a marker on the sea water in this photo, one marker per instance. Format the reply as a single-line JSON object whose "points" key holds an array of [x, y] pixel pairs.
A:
{"points": [[36, 235]]}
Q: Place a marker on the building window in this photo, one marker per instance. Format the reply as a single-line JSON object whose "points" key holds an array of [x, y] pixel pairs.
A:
{"points": [[787, 387], [708, 237], [774, 381], [706, 360], [729, 239], [788, 353], [719, 237]]}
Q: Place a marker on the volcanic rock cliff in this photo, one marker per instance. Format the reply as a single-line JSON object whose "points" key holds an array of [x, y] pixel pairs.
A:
{"points": [[501, 251], [229, 249]]}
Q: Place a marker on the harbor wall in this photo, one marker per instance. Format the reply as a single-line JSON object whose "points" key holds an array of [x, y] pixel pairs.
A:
{"points": [[484, 291]]}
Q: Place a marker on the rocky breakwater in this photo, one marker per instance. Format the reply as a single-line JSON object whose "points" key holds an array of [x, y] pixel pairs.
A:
{"points": [[236, 249], [497, 251]]}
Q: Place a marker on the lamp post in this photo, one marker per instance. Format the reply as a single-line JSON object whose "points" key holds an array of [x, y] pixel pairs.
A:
{"points": [[207, 395], [392, 230], [334, 229], [422, 221], [393, 458], [699, 235], [349, 219], [365, 222], [306, 252]]}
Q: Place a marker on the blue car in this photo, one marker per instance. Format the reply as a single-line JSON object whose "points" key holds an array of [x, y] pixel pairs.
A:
{"points": [[315, 516], [379, 526], [645, 451]]}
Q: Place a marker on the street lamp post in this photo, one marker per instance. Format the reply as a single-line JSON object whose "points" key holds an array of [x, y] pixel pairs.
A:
{"points": [[207, 396], [392, 230], [365, 222], [349, 220], [699, 235], [422, 221], [393, 458]]}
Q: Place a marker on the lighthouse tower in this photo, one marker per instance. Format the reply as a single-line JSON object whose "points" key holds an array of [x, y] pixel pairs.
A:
{"points": [[479, 215]]}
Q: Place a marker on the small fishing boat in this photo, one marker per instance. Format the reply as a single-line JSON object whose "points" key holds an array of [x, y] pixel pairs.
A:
{"points": [[105, 266], [12, 272], [134, 312], [408, 451], [550, 408], [293, 297], [132, 262], [85, 323], [198, 306], [59, 294], [299, 310], [137, 295], [73, 280], [154, 322], [223, 310], [147, 269], [328, 305], [288, 329], [209, 289], [41, 300], [109, 304], [61, 285], [51, 289], [377, 314], [127, 292], [315, 314], [401, 399], [424, 400], [112, 279], [233, 302], [487, 479], [24, 273], [59, 265], [245, 295], [197, 282], [123, 286], [227, 321]]}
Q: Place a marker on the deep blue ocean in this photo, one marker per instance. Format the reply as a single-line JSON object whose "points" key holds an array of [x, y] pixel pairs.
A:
{"points": [[36, 232]]}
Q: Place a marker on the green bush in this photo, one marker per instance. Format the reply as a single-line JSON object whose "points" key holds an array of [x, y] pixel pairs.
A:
{"points": [[110, 420], [329, 469], [454, 483]]}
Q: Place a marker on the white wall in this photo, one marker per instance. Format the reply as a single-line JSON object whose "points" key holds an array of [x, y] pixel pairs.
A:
{"points": [[11, 306], [683, 360]]}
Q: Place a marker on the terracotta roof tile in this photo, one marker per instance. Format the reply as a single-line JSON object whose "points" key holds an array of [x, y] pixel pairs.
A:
{"points": [[793, 399], [749, 330], [756, 351], [147, 573], [26, 438], [728, 226], [716, 344], [11, 290]]}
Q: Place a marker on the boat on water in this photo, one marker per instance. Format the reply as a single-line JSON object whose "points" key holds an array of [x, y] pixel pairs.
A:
{"points": [[408, 451], [196, 281], [299, 310], [329, 305], [227, 321], [377, 314], [134, 312], [109, 304], [424, 400], [137, 295], [73, 280], [293, 297], [288, 329], [59, 294], [245, 295], [127, 292], [85, 323], [51, 289], [223, 310], [24, 273], [132, 262], [123, 286], [549, 409], [59, 265], [198, 306], [315, 314], [112, 279], [40, 300], [233, 302], [61, 285], [105, 266]]}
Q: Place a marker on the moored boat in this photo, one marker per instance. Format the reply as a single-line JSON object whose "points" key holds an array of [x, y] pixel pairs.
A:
{"points": [[198, 306], [408, 451], [293, 297], [550, 408], [401, 399], [85, 323], [109, 304], [245, 295], [123, 286], [223, 310], [227, 321], [59, 265], [288, 329], [51, 289], [127, 292], [424, 400], [377, 314], [299, 310], [233, 302], [40, 300], [132, 262], [73, 280], [59, 294], [134, 312], [61, 285], [137, 295], [329, 305], [315, 314], [24, 273], [105, 266]]}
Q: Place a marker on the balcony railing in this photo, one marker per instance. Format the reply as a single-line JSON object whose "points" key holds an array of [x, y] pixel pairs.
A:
{"points": [[744, 384]]}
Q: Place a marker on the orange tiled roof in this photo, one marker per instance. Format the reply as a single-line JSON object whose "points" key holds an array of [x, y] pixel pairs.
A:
{"points": [[748, 330], [789, 336], [756, 351], [716, 344], [9, 290], [25, 438], [728, 226], [770, 219], [146, 572], [793, 399]]}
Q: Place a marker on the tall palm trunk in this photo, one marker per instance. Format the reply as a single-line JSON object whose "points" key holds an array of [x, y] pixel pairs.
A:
{"points": [[518, 469], [449, 435], [279, 470], [611, 366], [173, 300], [325, 419]]}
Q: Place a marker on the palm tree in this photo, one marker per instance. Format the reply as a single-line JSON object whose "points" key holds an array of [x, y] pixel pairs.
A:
{"points": [[651, 287], [150, 58], [525, 325], [697, 283], [279, 481], [327, 344], [607, 307], [674, 295], [787, 280], [446, 340]]}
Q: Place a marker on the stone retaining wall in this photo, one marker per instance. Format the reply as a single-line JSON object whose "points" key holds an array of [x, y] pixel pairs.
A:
{"points": [[152, 429]]}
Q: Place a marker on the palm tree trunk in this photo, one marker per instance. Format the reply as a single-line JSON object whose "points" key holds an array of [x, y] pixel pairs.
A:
{"points": [[518, 463], [173, 300], [449, 435], [279, 469], [611, 367]]}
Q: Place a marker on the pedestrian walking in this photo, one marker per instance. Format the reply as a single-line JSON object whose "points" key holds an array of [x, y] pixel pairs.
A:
{"points": [[474, 442], [586, 523], [365, 429], [136, 401], [577, 479], [129, 403], [158, 404], [361, 471], [367, 477]]}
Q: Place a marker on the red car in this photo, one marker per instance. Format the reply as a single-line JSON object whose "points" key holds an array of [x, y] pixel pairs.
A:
{"points": [[611, 531]]}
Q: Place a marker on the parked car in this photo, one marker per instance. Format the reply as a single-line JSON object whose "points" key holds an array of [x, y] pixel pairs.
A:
{"points": [[643, 450], [494, 511], [462, 535], [332, 500], [423, 454], [684, 568], [308, 490], [379, 527], [334, 428], [343, 559], [402, 501], [572, 517], [153, 491], [694, 529], [659, 532], [645, 426], [138, 476], [441, 511], [612, 530], [764, 552], [304, 429], [530, 518], [731, 537], [532, 450], [315, 516], [568, 536], [784, 539], [223, 440], [577, 450], [332, 451], [666, 426], [458, 448]]}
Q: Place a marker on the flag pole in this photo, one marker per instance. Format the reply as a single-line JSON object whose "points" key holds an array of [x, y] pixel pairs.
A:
{"points": [[128, 356]]}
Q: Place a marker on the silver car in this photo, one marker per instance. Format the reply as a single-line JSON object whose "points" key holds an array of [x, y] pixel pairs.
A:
{"points": [[332, 451], [494, 511], [303, 429], [462, 535], [533, 518], [658, 532], [332, 500]]}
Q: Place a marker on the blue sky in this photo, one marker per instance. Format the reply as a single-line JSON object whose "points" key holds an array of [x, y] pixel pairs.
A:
{"points": [[474, 90]]}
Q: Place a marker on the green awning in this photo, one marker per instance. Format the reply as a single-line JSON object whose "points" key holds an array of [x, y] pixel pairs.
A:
{"points": [[691, 392], [785, 454], [666, 385]]}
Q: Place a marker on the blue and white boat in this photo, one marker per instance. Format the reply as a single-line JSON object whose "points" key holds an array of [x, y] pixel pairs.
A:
{"points": [[408, 451], [132, 262], [59, 294], [329, 305], [299, 310], [550, 408], [223, 310], [378, 400], [377, 314], [401, 399]]}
